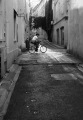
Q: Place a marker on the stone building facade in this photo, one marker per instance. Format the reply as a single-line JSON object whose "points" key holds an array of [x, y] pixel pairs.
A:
{"points": [[60, 22], [39, 10], [10, 31], [75, 27], [49, 18], [23, 21]]}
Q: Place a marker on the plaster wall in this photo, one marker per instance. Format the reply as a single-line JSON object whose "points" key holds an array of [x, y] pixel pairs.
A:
{"points": [[61, 24], [40, 10], [3, 53], [60, 11], [2, 21], [23, 10], [75, 27], [27, 9], [21, 6], [12, 44], [21, 31]]}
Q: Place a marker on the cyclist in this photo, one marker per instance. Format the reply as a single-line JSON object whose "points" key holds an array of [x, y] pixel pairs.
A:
{"points": [[35, 41]]}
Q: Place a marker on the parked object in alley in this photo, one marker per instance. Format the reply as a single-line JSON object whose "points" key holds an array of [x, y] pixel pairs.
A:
{"points": [[42, 48], [35, 44]]}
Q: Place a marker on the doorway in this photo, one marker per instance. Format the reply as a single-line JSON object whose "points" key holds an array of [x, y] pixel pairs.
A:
{"points": [[62, 35], [57, 36]]}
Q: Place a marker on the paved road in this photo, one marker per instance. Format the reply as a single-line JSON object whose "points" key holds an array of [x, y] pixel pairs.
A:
{"points": [[49, 87]]}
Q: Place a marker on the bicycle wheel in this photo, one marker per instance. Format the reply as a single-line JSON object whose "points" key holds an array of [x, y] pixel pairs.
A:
{"points": [[43, 49], [32, 49]]}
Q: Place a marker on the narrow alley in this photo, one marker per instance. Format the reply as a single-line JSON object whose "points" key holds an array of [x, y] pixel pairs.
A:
{"points": [[49, 87], [36, 84]]}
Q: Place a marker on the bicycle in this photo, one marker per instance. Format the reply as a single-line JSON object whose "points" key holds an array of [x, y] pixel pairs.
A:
{"points": [[41, 47]]}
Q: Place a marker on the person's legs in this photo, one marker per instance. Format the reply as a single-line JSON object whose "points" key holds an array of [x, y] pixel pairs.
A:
{"points": [[28, 45], [37, 45]]}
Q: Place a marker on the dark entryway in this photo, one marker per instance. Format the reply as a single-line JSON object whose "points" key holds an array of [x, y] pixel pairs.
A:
{"points": [[57, 36], [62, 35]]}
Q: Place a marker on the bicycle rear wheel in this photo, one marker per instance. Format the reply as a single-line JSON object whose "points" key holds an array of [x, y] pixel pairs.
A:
{"points": [[32, 49], [43, 49]]}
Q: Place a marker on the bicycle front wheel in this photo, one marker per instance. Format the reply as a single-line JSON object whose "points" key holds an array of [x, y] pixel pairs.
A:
{"points": [[43, 49], [32, 49]]}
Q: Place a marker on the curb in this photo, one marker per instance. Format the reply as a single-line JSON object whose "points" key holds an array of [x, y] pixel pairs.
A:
{"points": [[80, 67], [6, 95]]}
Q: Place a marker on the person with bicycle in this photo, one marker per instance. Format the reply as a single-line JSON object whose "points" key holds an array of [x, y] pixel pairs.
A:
{"points": [[35, 41]]}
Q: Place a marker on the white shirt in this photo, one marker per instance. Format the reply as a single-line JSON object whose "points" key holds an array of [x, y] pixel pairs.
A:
{"points": [[34, 38]]}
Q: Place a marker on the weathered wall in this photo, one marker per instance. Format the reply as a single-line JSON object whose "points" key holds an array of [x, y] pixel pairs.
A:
{"points": [[2, 20], [27, 9], [12, 29], [40, 9], [23, 21], [3, 53], [60, 11], [21, 31], [75, 27], [58, 26], [12, 45]]}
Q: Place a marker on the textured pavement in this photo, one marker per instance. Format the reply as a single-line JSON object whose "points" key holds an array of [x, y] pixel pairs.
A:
{"points": [[49, 87], [39, 95], [6, 88]]}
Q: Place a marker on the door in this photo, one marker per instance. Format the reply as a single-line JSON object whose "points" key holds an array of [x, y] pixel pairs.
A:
{"points": [[62, 35], [57, 36]]}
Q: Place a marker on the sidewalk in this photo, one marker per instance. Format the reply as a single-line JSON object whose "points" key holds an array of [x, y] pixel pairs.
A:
{"points": [[53, 45], [66, 57], [6, 88]]}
